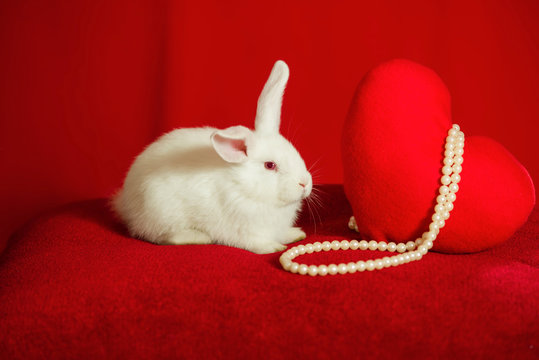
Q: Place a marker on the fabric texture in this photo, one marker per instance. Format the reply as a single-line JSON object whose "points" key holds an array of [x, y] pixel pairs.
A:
{"points": [[74, 285], [393, 151], [87, 84]]}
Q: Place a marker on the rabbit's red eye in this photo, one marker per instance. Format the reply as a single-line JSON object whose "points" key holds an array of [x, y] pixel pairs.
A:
{"points": [[270, 165]]}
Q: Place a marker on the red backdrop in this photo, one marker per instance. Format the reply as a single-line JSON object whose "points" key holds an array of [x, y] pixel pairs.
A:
{"points": [[85, 85]]}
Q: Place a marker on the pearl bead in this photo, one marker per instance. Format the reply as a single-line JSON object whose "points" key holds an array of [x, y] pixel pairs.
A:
{"points": [[446, 170], [313, 270], [440, 199], [322, 270], [286, 263], [448, 161], [361, 266], [363, 245], [423, 249], [439, 208], [352, 225], [409, 251], [446, 180]]}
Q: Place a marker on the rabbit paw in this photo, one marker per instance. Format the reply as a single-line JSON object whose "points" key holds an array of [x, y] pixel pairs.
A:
{"points": [[294, 234], [267, 248], [186, 236]]}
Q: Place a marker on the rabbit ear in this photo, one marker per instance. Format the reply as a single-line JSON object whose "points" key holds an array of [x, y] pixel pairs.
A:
{"points": [[268, 111], [231, 143]]}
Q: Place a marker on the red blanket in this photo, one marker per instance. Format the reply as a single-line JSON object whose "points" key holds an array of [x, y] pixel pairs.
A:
{"points": [[74, 285]]}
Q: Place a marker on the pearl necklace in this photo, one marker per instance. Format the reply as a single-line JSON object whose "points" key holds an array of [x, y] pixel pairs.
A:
{"points": [[410, 251]]}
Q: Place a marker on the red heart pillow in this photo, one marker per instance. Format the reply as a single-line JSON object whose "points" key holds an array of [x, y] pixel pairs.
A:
{"points": [[393, 144]]}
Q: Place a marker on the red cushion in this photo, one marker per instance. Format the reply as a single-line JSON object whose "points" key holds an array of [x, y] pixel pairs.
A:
{"points": [[74, 285], [393, 143]]}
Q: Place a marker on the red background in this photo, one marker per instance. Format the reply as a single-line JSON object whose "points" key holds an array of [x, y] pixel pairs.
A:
{"points": [[85, 85]]}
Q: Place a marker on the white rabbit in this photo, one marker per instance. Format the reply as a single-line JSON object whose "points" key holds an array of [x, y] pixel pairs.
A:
{"points": [[235, 186]]}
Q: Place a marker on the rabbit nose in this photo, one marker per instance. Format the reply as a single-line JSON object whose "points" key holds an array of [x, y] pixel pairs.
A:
{"points": [[304, 181]]}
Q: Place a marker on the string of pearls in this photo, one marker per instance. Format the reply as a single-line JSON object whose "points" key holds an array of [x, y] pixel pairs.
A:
{"points": [[410, 251]]}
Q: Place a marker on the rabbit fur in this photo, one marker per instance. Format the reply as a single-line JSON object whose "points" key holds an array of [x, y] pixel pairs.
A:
{"points": [[233, 186]]}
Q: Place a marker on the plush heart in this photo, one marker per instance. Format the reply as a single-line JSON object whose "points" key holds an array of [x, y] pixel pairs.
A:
{"points": [[392, 145]]}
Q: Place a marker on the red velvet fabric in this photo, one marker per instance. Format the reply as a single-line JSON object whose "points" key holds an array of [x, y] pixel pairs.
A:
{"points": [[393, 151], [86, 84], [73, 285]]}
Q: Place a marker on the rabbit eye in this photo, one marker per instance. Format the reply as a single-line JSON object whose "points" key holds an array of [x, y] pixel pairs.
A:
{"points": [[270, 165]]}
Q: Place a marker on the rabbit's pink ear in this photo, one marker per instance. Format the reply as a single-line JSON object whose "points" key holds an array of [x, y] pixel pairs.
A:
{"points": [[231, 143]]}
